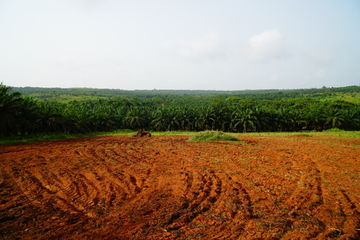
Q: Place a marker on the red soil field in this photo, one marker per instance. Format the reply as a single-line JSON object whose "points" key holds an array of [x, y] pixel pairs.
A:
{"points": [[168, 188]]}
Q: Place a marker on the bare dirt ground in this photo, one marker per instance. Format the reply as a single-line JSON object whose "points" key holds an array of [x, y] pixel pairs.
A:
{"points": [[168, 188]]}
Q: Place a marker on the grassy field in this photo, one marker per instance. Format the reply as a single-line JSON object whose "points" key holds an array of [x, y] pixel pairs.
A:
{"points": [[128, 132]]}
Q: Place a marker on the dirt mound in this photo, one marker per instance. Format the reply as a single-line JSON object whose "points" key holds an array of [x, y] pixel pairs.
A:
{"points": [[168, 188]]}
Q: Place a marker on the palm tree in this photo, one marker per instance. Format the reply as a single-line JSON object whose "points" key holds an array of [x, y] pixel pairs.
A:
{"points": [[286, 119], [334, 119], [244, 120], [10, 109], [166, 118], [136, 117]]}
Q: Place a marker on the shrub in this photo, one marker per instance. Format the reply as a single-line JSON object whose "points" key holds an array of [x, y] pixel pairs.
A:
{"points": [[334, 130], [211, 136]]}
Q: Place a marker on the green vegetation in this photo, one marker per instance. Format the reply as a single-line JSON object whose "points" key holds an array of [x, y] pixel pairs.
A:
{"points": [[211, 136], [84, 111], [66, 94], [126, 132], [350, 134], [333, 130], [60, 136], [39, 137]]}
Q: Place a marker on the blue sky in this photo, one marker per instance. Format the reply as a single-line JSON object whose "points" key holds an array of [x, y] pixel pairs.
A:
{"points": [[173, 44]]}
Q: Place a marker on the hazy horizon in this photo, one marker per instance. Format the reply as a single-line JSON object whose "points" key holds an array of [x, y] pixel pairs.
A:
{"points": [[169, 89], [180, 45]]}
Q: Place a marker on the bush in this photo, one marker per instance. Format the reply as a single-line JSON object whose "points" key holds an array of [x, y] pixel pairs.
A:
{"points": [[211, 136], [334, 130]]}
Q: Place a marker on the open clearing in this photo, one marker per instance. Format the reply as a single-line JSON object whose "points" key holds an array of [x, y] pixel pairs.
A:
{"points": [[293, 187]]}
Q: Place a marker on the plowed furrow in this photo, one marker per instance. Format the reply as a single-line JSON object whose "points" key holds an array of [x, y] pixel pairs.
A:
{"points": [[196, 203], [241, 200], [308, 194], [350, 217]]}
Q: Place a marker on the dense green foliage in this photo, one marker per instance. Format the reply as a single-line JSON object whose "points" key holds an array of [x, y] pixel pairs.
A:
{"points": [[236, 111], [211, 136]]}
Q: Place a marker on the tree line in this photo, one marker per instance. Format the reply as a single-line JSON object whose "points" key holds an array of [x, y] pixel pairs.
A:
{"points": [[25, 115], [51, 93]]}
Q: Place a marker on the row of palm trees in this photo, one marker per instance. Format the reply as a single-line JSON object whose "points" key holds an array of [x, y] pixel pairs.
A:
{"points": [[21, 116]]}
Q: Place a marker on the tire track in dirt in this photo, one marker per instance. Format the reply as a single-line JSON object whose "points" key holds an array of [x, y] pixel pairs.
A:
{"points": [[236, 210], [76, 193], [350, 216], [308, 194], [201, 193], [302, 202]]}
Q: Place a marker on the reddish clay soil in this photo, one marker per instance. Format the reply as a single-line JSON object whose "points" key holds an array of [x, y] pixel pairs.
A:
{"points": [[168, 188]]}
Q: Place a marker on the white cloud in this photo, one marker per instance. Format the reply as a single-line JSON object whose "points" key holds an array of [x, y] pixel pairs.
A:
{"points": [[206, 46], [267, 45]]}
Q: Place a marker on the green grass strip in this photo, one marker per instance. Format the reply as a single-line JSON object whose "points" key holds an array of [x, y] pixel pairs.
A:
{"points": [[127, 132]]}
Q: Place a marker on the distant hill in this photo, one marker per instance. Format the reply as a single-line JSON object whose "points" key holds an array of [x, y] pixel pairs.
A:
{"points": [[48, 93]]}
